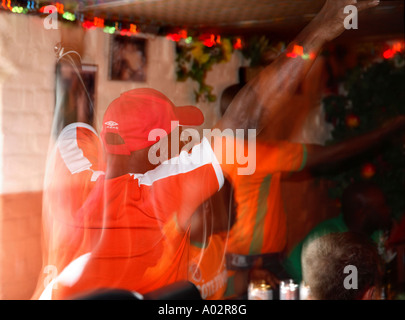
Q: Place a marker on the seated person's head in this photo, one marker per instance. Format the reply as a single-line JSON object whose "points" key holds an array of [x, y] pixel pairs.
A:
{"points": [[228, 95], [365, 209], [341, 266]]}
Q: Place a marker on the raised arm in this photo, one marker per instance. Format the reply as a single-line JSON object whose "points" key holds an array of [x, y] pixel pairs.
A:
{"points": [[318, 156], [261, 98]]}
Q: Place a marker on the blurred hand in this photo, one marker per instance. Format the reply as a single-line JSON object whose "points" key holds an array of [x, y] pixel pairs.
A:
{"points": [[330, 20], [258, 273], [263, 274]]}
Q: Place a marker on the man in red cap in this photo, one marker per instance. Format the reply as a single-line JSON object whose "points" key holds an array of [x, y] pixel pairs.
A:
{"points": [[139, 212]]}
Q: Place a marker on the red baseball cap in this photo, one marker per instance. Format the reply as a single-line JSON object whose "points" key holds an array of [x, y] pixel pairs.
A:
{"points": [[136, 112]]}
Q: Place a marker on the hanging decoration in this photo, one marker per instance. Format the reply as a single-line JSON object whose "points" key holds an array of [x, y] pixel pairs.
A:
{"points": [[298, 52], [371, 94], [196, 54], [70, 15]]}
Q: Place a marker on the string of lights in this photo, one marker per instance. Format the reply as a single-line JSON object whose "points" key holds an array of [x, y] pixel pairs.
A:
{"points": [[131, 28]]}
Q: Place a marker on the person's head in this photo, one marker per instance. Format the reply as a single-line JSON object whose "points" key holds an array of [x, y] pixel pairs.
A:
{"points": [[342, 266], [364, 208], [139, 120], [227, 96]]}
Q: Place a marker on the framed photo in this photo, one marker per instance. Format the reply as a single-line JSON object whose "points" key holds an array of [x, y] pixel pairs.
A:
{"points": [[127, 59], [75, 93]]}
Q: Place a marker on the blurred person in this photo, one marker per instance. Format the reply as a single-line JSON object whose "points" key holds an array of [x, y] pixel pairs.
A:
{"points": [[75, 161], [342, 266], [257, 240], [364, 210], [128, 61], [396, 270], [251, 252], [74, 164], [208, 237], [397, 234], [142, 210], [209, 229], [74, 94]]}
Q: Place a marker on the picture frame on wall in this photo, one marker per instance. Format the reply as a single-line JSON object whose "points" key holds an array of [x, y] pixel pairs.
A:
{"points": [[75, 94], [128, 59]]}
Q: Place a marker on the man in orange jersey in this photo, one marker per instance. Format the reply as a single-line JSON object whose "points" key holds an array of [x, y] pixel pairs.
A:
{"points": [[257, 239], [142, 216], [143, 209], [75, 163]]}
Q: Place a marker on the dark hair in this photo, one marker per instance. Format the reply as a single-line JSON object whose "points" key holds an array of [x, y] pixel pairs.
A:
{"points": [[364, 208], [324, 260], [353, 197], [227, 96]]}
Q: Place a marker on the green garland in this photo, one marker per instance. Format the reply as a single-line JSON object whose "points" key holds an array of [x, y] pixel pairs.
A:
{"points": [[373, 95], [261, 51], [194, 60]]}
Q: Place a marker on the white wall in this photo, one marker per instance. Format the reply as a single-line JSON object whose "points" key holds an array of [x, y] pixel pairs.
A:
{"points": [[26, 89], [27, 82]]}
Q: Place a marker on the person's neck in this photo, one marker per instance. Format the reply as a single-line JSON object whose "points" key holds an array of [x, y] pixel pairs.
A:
{"points": [[119, 165]]}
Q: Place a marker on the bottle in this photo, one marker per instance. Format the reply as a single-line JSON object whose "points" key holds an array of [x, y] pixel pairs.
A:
{"points": [[288, 290], [260, 290], [304, 291]]}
